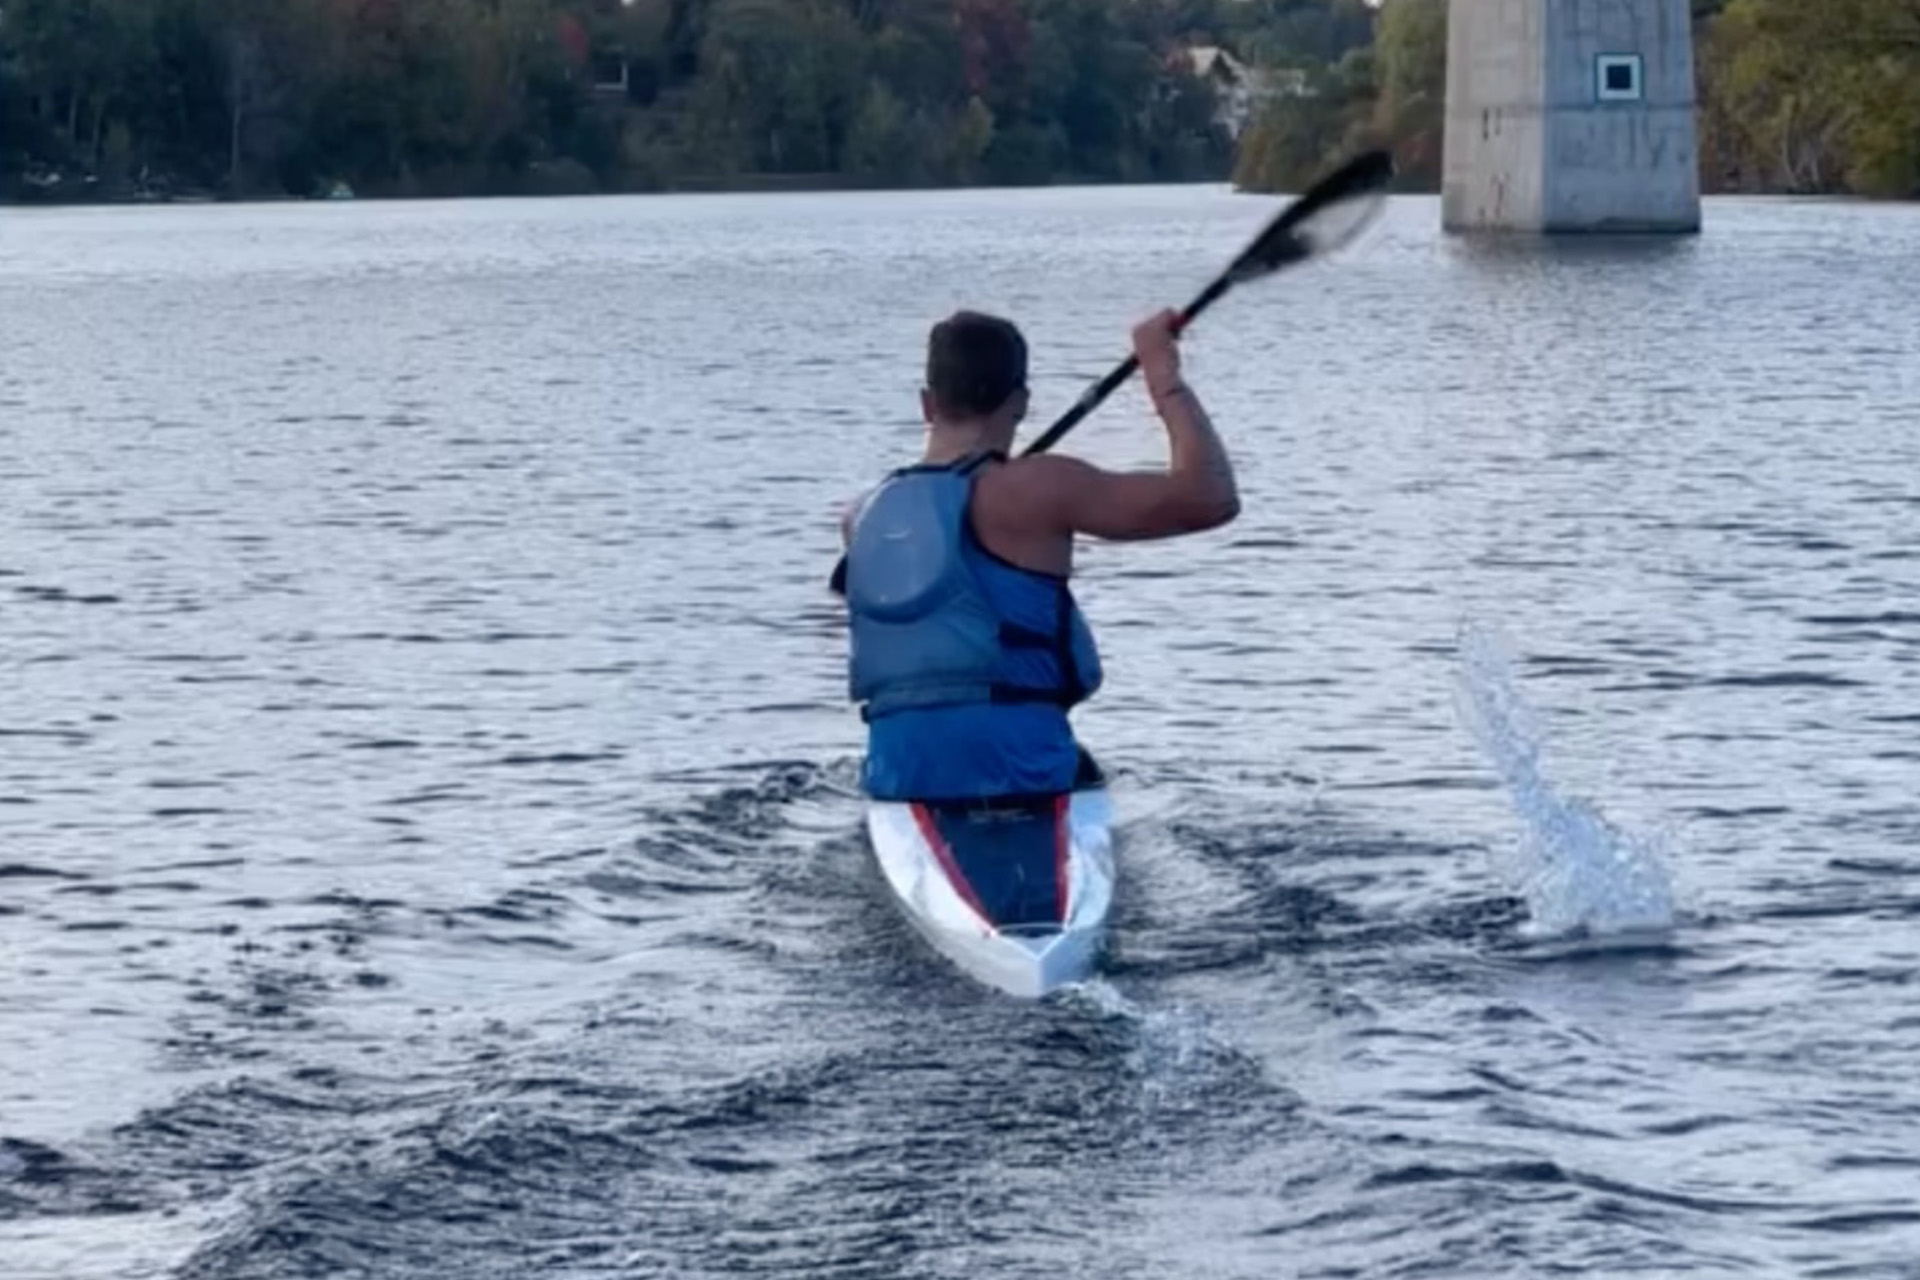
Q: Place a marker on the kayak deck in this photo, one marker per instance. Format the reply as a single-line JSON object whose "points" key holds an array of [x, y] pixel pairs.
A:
{"points": [[1014, 893]]}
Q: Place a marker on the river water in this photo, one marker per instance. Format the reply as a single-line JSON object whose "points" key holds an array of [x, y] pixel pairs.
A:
{"points": [[428, 837]]}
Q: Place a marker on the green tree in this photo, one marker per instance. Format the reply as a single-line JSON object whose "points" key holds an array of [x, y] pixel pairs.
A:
{"points": [[1410, 57], [1784, 103], [1298, 33], [448, 96], [1286, 144], [1096, 82], [970, 141]]}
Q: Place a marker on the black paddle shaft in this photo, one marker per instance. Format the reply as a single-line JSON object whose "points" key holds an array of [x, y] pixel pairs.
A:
{"points": [[1358, 186], [1093, 396]]}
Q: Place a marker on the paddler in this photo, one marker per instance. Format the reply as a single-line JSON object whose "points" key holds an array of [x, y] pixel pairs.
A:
{"points": [[967, 648]]}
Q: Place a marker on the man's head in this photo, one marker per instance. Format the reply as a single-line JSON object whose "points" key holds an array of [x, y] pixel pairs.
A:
{"points": [[976, 373]]}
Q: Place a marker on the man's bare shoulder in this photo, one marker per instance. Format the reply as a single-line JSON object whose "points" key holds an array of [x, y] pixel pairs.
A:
{"points": [[1043, 473], [1032, 489]]}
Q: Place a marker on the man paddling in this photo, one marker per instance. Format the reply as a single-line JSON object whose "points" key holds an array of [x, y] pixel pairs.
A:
{"points": [[967, 648]]}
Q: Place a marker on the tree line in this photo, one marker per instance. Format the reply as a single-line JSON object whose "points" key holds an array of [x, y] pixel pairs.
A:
{"points": [[481, 96], [1810, 98], [1804, 97], [446, 97]]}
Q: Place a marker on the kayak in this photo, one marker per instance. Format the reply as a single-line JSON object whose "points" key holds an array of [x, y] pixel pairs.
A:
{"points": [[1014, 892]]}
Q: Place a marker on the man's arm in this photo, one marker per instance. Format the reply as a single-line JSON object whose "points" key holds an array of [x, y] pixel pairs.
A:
{"points": [[1196, 492]]}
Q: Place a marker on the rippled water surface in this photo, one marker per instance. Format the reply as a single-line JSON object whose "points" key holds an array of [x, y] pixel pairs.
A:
{"points": [[428, 844]]}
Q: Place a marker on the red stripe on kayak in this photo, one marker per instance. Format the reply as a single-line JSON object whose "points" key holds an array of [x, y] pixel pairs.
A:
{"points": [[930, 832], [1062, 850]]}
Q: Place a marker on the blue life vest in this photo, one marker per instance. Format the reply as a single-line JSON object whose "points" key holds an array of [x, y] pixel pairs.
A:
{"points": [[925, 628]]}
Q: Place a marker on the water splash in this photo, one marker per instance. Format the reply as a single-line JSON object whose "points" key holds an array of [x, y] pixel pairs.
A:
{"points": [[1578, 873]]}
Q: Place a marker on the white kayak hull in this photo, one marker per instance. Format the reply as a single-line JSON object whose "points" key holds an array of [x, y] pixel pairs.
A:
{"points": [[953, 874]]}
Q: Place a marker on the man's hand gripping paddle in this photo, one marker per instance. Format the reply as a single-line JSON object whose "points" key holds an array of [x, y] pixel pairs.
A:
{"points": [[1329, 215]]}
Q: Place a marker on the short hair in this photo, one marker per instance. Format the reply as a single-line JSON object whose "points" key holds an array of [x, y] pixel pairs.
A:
{"points": [[975, 363]]}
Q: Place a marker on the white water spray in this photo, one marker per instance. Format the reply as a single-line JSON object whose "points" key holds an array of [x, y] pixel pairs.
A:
{"points": [[1578, 873]]}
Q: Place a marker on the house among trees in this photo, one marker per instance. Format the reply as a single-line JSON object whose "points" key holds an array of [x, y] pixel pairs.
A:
{"points": [[1238, 89], [598, 36]]}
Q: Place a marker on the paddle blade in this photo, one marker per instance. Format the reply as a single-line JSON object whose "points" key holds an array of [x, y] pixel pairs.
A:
{"points": [[1331, 213]]}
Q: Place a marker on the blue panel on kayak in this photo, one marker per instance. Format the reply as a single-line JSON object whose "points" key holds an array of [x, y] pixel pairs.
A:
{"points": [[1009, 856]]}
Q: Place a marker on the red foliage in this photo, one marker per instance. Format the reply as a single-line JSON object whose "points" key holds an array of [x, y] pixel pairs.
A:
{"points": [[574, 39], [995, 35]]}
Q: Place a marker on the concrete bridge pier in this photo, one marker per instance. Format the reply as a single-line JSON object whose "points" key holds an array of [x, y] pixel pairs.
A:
{"points": [[1569, 116]]}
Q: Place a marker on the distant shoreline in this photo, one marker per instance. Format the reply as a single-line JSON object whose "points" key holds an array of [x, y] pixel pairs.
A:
{"points": [[51, 206], [12, 197], [757, 184]]}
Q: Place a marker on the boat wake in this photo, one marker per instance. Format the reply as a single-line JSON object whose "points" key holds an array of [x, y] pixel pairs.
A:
{"points": [[1581, 876]]}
